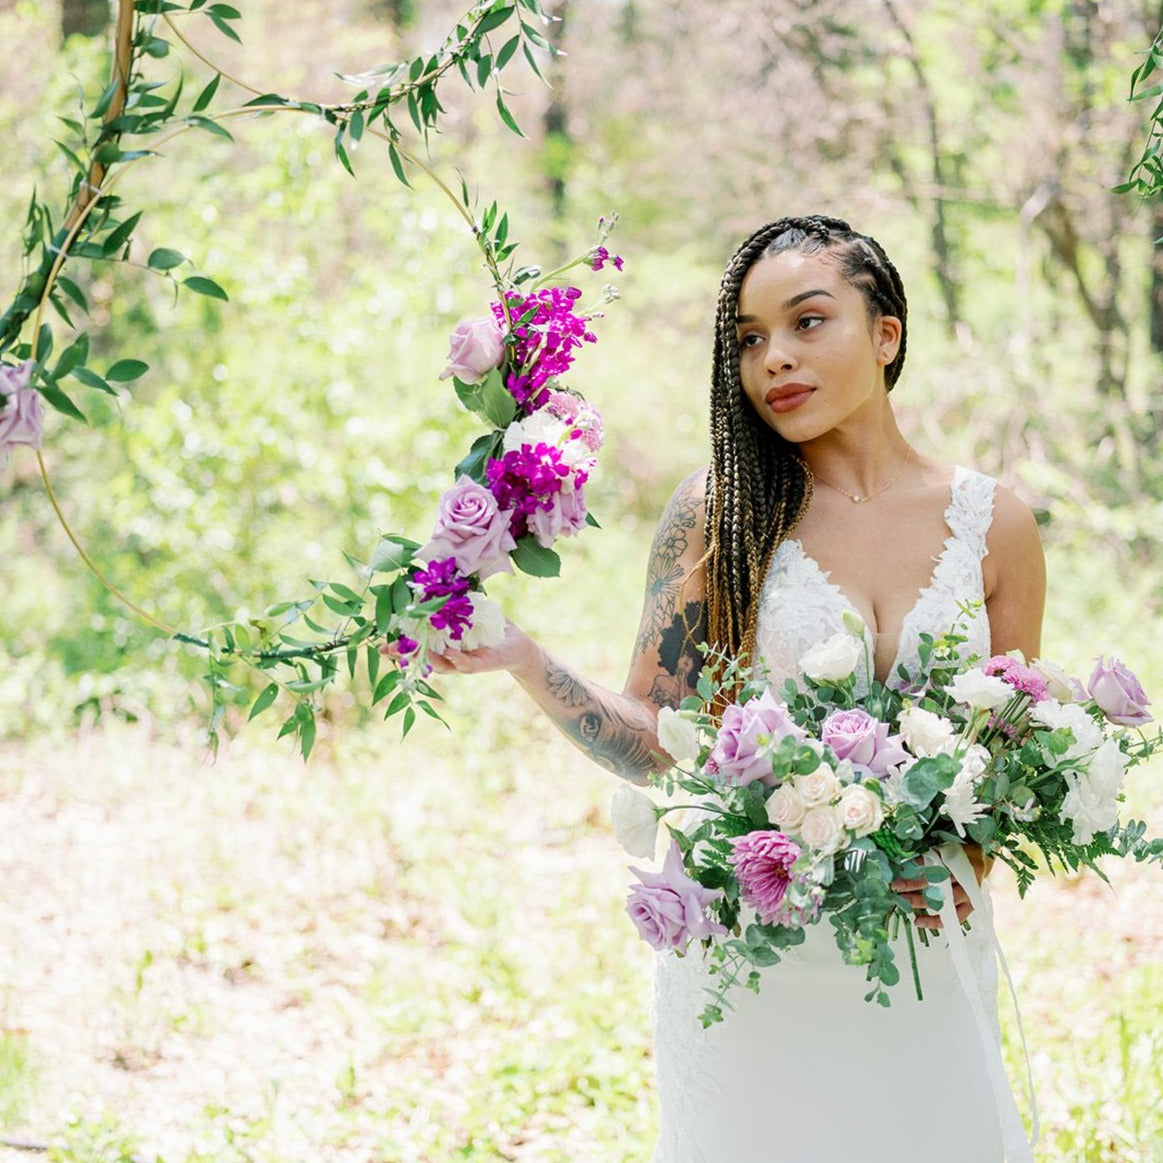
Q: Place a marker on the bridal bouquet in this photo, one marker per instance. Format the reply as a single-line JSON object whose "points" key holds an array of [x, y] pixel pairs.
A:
{"points": [[812, 803]]}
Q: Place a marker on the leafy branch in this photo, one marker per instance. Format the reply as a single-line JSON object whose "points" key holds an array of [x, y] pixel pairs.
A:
{"points": [[1146, 176], [299, 646]]}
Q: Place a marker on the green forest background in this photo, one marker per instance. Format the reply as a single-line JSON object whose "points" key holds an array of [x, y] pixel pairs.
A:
{"points": [[979, 142]]}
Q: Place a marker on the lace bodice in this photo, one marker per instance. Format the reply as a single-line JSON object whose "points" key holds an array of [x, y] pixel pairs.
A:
{"points": [[800, 606]]}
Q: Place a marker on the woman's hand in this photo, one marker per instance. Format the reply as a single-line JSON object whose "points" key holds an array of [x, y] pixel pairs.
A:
{"points": [[516, 652], [913, 891]]}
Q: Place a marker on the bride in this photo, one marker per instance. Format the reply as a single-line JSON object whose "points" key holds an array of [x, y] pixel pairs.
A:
{"points": [[810, 339]]}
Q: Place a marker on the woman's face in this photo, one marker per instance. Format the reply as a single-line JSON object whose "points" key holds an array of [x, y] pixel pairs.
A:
{"points": [[809, 359]]}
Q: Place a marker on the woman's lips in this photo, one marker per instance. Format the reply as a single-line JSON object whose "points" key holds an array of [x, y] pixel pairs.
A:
{"points": [[788, 397]]}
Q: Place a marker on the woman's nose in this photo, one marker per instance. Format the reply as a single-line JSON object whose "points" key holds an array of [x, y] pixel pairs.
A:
{"points": [[778, 357]]}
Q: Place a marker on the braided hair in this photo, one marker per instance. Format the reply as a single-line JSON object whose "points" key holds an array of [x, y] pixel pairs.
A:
{"points": [[758, 487]]}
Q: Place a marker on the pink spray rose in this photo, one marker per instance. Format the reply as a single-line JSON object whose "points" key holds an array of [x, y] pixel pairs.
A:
{"points": [[1119, 694], [22, 414], [864, 741], [668, 907], [749, 731], [471, 528], [475, 347]]}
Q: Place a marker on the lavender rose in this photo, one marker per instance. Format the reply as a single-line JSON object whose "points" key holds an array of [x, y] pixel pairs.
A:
{"points": [[22, 414], [746, 737], [1119, 694], [863, 740], [475, 347], [471, 528], [668, 907]]}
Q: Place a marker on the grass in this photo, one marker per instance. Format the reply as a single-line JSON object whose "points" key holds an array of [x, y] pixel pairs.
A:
{"points": [[417, 953]]}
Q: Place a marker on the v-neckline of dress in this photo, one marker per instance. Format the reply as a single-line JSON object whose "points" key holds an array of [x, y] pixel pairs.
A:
{"points": [[825, 579]]}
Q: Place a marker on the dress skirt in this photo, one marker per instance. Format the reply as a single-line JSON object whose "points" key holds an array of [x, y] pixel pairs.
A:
{"points": [[806, 1071]]}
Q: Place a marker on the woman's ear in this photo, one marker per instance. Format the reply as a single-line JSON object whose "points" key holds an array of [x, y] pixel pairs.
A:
{"points": [[887, 335]]}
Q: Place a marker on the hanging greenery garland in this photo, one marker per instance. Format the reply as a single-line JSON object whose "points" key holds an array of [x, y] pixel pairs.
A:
{"points": [[518, 489]]}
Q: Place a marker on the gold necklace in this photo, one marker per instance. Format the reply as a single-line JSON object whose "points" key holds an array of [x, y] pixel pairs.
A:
{"points": [[856, 498]]}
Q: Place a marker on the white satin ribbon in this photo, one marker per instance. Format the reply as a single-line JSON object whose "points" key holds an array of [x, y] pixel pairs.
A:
{"points": [[1018, 1147]]}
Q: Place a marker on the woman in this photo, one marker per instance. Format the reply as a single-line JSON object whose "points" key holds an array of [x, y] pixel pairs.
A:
{"points": [[810, 339]]}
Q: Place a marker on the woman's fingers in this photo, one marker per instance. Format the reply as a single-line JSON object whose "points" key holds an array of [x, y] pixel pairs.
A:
{"points": [[913, 892]]}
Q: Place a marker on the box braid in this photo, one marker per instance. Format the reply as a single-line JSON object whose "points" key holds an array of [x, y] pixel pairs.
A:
{"points": [[758, 487]]}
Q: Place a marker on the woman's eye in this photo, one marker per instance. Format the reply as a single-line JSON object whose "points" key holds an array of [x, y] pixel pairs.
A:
{"points": [[751, 340], [807, 322]]}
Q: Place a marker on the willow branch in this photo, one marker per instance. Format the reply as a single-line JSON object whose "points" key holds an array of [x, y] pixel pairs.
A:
{"points": [[90, 189]]}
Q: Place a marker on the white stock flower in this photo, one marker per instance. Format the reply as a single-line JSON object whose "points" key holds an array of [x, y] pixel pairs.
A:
{"points": [[860, 810], [635, 822], [822, 830], [540, 428], [981, 691], [833, 659], [1091, 804], [488, 624], [1087, 733], [785, 808], [817, 787], [677, 735], [926, 733]]}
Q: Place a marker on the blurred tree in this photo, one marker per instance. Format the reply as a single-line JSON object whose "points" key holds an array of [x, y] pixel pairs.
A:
{"points": [[84, 17], [400, 14]]}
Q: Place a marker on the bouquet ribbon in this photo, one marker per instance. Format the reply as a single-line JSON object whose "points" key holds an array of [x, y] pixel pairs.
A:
{"points": [[1018, 1148]]}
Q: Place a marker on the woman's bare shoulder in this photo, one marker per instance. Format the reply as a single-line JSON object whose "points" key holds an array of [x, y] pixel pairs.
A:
{"points": [[1013, 529]]}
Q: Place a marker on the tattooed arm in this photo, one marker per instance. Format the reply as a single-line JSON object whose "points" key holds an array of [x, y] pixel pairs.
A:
{"points": [[618, 731]]}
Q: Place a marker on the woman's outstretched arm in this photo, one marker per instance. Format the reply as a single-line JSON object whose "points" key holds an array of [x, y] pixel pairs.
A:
{"points": [[619, 731]]}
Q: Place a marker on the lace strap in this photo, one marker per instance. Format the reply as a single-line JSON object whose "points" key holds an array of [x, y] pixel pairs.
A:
{"points": [[970, 511]]}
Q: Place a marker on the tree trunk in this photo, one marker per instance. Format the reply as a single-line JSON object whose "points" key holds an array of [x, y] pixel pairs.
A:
{"points": [[1156, 305], [84, 17], [557, 147]]}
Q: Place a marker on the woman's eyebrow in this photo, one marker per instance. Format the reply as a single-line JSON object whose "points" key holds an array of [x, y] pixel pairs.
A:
{"points": [[794, 301]]}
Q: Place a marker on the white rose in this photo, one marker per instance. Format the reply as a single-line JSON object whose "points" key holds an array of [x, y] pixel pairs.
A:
{"points": [[1087, 733], [817, 787], [821, 829], [1060, 684], [833, 659], [860, 810], [677, 735], [926, 733], [488, 624], [981, 691], [1091, 803], [785, 808], [635, 822]]}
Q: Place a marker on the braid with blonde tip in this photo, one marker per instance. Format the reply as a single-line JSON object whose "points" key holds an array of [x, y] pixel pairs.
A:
{"points": [[758, 488]]}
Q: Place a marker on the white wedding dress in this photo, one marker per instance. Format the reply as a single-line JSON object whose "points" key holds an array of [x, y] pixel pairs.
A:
{"points": [[806, 1071]]}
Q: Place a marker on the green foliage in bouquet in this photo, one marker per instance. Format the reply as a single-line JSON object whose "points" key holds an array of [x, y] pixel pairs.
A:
{"points": [[814, 803]]}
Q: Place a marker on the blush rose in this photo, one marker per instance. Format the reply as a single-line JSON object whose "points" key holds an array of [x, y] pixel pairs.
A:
{"points": [[22, 415], [863, 740], [471, 528], [668, 907], [475, 347], [1119, 694]]}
